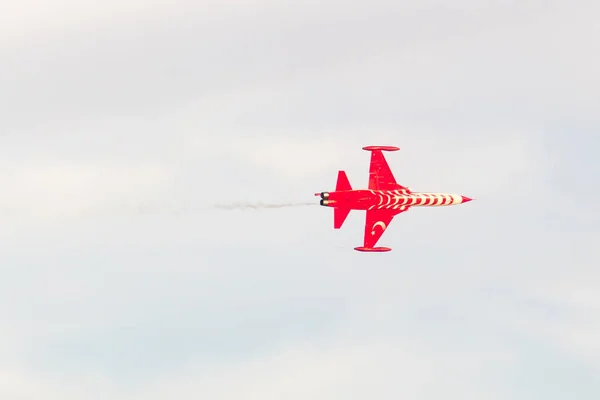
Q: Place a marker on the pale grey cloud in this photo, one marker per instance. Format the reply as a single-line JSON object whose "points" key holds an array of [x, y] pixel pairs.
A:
{"points": [[176, 106], [488, 54]]}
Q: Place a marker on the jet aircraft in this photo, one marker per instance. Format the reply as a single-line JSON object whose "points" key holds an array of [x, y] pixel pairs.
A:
{"points": [[382, 201]]}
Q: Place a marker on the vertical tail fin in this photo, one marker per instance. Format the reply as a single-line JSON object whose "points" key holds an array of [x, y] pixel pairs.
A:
{"points": [[340, 214], [342, 182]]}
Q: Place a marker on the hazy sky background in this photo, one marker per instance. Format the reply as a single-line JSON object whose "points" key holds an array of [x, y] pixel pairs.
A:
{"points": [[123, 121]]}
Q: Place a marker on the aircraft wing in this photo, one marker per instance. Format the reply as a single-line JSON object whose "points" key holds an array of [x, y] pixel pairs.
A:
{"points": [[380, 174], [377, 221]]}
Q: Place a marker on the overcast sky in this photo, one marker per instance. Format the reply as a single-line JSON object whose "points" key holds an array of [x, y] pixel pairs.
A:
{"points": [[123, 121]]}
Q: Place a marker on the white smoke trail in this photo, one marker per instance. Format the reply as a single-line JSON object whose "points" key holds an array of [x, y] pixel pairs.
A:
{"points": [[242, 206], [132, 209]]}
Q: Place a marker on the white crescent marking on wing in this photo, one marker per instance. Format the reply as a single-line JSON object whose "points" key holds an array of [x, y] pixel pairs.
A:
{"points": [[381, 224], [378, 223]]}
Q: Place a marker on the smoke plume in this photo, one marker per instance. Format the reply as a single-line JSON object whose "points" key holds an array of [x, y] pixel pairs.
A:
{"points": [[131, 209], [242, 206]]}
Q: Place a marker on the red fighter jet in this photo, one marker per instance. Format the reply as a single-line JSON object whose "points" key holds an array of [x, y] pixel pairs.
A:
{"points": [[383, 200]]}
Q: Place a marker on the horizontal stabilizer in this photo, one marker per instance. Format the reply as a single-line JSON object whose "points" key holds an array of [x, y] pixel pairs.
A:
{"points": [[342, 182], [339, 216]]}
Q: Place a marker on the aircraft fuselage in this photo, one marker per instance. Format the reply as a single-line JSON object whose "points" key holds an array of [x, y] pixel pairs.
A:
{"points": [[365, 199], [383, 199]]}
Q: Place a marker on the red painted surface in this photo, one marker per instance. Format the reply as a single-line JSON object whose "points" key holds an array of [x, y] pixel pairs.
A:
{"points": [[383, 148], [372, 249], [382, 200]]}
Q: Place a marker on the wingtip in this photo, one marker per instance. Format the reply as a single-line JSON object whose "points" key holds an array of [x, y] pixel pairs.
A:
{"points": [[382, 148], [372, 249]]}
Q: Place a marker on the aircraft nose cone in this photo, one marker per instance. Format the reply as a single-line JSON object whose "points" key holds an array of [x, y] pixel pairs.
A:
{"points": [[465, 199]]}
